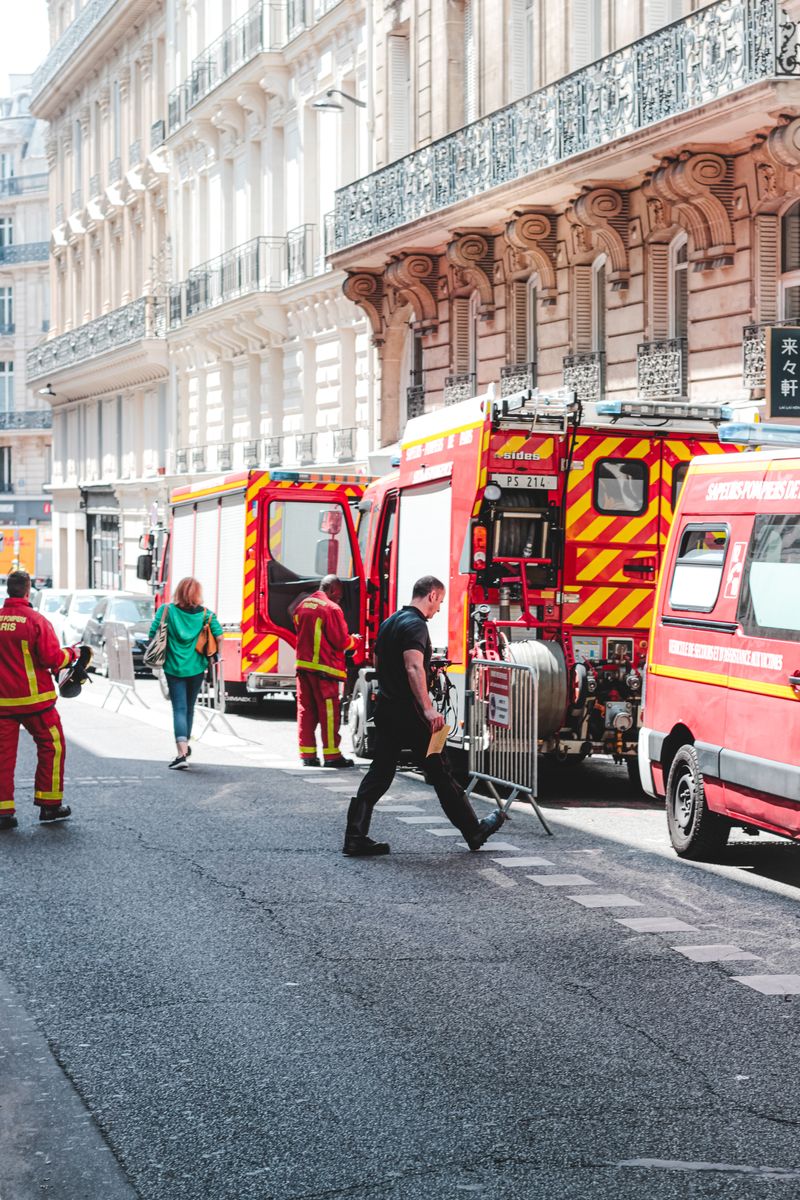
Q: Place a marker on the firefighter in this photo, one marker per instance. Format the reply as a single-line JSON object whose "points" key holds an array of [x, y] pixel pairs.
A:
{"points": [[404, 720], [29, 657], [323, 639]]}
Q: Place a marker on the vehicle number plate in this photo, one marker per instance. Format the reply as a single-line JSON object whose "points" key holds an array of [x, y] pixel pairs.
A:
{"points": [[548, 482]]}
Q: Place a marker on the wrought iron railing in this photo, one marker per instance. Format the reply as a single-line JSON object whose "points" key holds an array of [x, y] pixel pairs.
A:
{"points": [[224, 456], [182, 461], [21, 185], [31, 418], [251, 452], [459, 387], [115, 170], [76, 200], [143, 318], [299, 253], [22, 252], [517, 377], [306, 448], [754, 352], [197, 458], [710, 54], [273, 451], [158, 132], [415, 400], [135, 153], [661, 368], [263, 27], [70, 41], [256, 266], [94, 186], [344, 444], [585, 374]]}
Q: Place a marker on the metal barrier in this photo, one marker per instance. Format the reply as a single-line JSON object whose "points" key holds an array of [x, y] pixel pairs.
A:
{"points": [[501, 720], [119, 665], [211, 701]]}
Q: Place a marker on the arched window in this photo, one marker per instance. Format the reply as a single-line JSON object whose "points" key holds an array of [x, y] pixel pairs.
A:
{"points": [[599, 304], [679, 287], [790, 264]]}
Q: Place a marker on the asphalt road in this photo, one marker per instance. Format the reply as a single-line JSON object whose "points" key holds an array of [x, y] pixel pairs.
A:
{"points": [[201, 997]]}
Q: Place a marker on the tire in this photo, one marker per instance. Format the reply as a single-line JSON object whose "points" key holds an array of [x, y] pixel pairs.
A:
{"points": [[358, 714], [694, 830]]}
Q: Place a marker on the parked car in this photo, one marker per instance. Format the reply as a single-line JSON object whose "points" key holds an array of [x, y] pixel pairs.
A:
{"points": [[133, 611], [70, 620], [49, 601]]}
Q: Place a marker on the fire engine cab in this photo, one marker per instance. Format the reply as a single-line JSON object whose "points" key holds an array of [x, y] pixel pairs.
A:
{"points": [[722, 714]]}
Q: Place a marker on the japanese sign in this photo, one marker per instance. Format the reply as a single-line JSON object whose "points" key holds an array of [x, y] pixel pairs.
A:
{"points": [[499, 696], [783, 371]]}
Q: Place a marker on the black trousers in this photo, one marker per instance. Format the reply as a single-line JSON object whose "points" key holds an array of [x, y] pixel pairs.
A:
{"points": [[396, 734]]}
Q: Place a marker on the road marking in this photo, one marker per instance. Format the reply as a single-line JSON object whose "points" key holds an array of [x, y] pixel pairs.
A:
{"points": [[445, 832], [656, 925], [424, 820], [562, 880], [667, 1164], [497, 877], [338, 787], [718, 953], [530, 860], [400, 808], [771, 985], [611, 900], [494, 846]]}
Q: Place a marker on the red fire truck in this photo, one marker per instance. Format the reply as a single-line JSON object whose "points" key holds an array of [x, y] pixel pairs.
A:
{"points": [[547, 524]]}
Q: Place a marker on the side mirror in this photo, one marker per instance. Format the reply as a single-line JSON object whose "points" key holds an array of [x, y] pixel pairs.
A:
{"points": [[330, 521], [144, 567]]}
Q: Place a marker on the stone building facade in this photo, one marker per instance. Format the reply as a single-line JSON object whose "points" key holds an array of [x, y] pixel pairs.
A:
{"points": [[25, 416], [624, 221]]}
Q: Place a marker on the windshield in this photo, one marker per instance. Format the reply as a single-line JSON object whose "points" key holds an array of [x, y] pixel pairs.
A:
{"points": [[84, 604], [53, 602], [130, 610]]}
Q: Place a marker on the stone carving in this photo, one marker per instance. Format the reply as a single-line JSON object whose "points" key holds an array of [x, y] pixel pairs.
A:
{"points": [[413, 278], [470, 256], [694, 188], [365, 288], [599, 218], [531, 239]]}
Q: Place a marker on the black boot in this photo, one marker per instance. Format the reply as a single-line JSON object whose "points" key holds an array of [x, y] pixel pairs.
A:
{"points": [[54, 812], [486, 828], [356, 842]]}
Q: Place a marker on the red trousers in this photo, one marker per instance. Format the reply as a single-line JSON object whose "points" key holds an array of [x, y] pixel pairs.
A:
{"points": [[45, 729], [318, 704]]}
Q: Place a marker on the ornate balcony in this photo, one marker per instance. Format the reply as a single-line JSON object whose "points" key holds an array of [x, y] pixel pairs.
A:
{"points": [[24, 252], [95, 188], [225, 456], [415, 400], [139, 322], [158, 132], [115, 170], [344, 445], [182, 461], [197, 458], [459, 387], [32, 418], [299, 254], [584, 374], [251, 456], [273, 451], [306, 449], [71, 40], [22, 185], [711, 54], [256, 266], [518, 377], [754, 354], [76, 200], [661, 369]]}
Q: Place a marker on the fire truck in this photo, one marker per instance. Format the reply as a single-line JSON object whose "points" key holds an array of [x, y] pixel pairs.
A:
{"points": [[258, 541], [547, 522]]}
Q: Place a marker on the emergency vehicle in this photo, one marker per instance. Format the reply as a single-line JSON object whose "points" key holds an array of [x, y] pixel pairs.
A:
{"points": [[258, 541], [547, 523], [721, 727]]}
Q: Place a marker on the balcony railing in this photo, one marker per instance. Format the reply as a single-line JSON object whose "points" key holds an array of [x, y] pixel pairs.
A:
{"points": [[517, 377], [76, 200], [94, 187], [22, 252], [306, 448], [263, 27], [584, 374], [415, 400], [256, 266], [134, 153], [59, 214], [328, 234], [224, 456], [661, 369], [21, 185], [710, 54], [273, 451], [182, 461], [115, 170], [251, 452], [459, 387], [32, 418], [197, 458], [143, 318], [344, 445], [754, 353], [7, 328], [299, 253], [71, 39], [158, 132]]}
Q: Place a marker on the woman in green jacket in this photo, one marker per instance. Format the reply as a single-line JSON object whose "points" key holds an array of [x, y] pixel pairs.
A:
{"points": [[184, 666]]}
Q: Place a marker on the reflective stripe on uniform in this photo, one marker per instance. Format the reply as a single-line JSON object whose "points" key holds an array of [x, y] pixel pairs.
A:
{"points": [[318, 666], [330, 740], [6, 806], [317, 640], [21, 701]]}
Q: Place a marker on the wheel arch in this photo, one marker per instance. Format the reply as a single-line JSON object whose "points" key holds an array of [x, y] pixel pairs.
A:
{"points": [[680, 735]]}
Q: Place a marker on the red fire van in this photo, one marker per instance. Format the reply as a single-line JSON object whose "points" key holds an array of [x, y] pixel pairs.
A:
{"points": [[720, 738]]}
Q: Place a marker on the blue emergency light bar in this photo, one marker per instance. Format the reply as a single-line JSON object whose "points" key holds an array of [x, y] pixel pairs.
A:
{"points": [[746, 433], [664, 409]]}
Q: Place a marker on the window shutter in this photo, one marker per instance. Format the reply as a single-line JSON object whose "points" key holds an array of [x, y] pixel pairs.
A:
{"points": [[399, 71], [599, 302], [470, 64], [583, 309], [658, 13], [581, 34], [659, 291], [460, 340], [766, 267], [518, 323], [518, 49]]}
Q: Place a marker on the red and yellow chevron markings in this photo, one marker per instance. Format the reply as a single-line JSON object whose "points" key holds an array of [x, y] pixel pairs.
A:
{"points": [[611, 607], [259, 652], [586, 525], [607, 565]]}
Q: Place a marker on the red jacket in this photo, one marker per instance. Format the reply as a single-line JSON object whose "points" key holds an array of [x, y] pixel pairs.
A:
{"points": [[29, 655], [322, 636]]}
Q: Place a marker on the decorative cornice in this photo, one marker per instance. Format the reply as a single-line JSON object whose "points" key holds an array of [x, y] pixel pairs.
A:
{"points": [[414, 277], [776, 161], [599, 216], [470, 256], [694, 187], [365, 288], [531, 239]]}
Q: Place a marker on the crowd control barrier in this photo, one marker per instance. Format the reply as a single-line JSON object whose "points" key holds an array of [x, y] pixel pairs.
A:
{"points": [[119, 666], [211, 701], [501, 713]]}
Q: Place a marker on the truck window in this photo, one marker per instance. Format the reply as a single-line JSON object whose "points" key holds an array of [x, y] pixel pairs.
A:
{"points": [[620, 486], [678, 476], [362, 529], [310, 540], [769, 598], [698, 568]]}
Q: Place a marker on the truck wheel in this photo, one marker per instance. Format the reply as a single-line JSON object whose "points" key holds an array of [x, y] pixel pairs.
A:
{"points": [[357, 714], [695, 831]]}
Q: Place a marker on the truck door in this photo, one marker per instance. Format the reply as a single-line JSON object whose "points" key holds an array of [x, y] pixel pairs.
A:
{"points": [[304, 534]]}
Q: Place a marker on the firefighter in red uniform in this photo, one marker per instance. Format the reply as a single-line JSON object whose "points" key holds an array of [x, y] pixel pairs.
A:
{"points": [[322, 641], [29, 656]]}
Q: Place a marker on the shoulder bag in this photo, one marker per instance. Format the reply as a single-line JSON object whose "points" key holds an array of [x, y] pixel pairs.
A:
{"points": [[206, 642], [156, 653]]}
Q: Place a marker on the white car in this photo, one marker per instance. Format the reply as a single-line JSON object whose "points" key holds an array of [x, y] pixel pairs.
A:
{"points": [[48, 602], [70, 620]]}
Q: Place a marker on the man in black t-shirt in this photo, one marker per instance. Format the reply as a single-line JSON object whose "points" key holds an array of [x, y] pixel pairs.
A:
{"points": [[404, 720]]}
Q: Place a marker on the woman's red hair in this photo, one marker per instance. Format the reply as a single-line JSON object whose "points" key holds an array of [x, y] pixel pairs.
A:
{"points": [[188, 593]]}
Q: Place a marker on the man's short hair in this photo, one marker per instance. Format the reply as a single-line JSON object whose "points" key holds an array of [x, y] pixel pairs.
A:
{"points": [[330, 584], [18, 584], [424, 586]]}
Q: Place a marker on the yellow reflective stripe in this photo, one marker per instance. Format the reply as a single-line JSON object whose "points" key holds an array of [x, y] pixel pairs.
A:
{"points": [[317, 666], [30, 670], [330, 741], [317, 639], [65, 660], [48, 795], [308, 749], [6, 805], [21, 701], [55, 782], [781, 691]]}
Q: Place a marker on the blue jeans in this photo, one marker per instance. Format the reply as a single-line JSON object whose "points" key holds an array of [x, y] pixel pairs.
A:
{"points": [[183, 692]]}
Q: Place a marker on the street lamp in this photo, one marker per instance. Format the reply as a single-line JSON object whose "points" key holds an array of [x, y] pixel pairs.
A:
{"points": [[327, 102]]}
